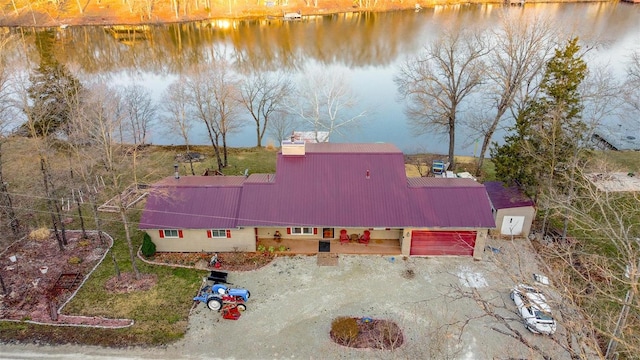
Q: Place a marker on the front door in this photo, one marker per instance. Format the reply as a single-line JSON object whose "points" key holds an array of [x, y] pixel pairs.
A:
{"points": [[512, 225]]}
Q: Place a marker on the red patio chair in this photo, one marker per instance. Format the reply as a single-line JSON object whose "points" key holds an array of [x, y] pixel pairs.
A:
{"points": [[344, 237], [364, 239]]}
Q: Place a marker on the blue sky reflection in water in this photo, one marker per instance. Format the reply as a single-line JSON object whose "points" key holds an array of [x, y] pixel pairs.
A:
{"points": [[370, 53]]}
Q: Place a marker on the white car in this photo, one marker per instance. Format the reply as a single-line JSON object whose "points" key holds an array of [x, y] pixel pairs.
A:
{"points": [[534, 310]]}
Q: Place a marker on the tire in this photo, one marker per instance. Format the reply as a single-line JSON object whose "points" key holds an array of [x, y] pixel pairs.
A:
{"points": [[214, 304], [241, 307], [248, 294], [511, 296]]}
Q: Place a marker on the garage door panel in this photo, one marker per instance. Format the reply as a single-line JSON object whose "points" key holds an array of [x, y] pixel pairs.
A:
{"points": [[443, 243]]}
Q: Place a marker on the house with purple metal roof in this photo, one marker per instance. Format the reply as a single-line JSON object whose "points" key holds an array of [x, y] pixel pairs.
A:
{"points": [[319, 192], [513, 210]]}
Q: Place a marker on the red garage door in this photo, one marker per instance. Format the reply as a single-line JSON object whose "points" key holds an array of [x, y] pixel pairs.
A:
{"points": [[443, 242]]}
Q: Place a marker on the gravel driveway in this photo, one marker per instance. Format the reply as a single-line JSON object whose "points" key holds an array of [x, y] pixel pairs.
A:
{"points": [[293, 301]]}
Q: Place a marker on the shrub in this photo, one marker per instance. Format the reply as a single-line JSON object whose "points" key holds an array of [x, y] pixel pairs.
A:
{"points": [[40, 234], [390, 335], [74, 260], [344, 330], [148, 247]]}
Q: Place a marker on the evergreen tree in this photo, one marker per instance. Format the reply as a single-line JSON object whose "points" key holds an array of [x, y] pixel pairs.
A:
{"points": [[52, 89], [549, 131]]}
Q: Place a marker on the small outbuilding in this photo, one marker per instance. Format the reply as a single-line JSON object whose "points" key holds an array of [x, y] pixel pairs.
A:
{"points": [[512, 210]]}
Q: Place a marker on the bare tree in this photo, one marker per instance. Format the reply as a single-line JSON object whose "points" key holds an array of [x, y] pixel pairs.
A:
{"points": [[632, 85], [282, 126], [99, 127], [326, 101], [605, 262], [176, 105], [93, 125], [139, 111], [436, 83], [46, 105], [519, 51], [6, 115], [214, 94], [265, 96]]}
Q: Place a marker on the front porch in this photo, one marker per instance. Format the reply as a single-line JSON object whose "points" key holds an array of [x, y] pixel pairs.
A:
{"points": [[312, 246]]}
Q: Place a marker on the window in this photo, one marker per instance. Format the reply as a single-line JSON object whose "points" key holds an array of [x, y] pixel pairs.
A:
{"points": [[169, 233], [302, 231], [219, 233], [327, 233]]}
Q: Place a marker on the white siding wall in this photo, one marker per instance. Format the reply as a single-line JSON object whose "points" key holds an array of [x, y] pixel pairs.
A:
{"points": [[197, 241], [529, 213]]}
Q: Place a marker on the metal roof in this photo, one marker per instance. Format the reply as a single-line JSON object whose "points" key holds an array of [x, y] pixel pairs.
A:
{"points": [[352, 148], [462, 205], [201, 181], [506, 197], [332, 185], [193, 202], [441, 182]]}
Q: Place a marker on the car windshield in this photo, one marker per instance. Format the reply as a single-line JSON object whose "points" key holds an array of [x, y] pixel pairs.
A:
{"points": [[542, 316]]}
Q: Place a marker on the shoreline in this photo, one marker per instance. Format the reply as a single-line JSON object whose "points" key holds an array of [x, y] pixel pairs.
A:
{"points": [[113, 13]]}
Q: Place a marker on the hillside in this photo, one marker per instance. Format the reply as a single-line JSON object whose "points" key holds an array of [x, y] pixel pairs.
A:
{"points": [[130, 12]]}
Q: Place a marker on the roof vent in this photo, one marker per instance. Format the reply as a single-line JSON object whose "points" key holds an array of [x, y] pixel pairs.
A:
{"points": [[368, 175], [292, 147]]}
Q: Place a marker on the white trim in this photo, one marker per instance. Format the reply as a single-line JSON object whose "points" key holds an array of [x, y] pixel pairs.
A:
{"points": [[224, 233], [301, 230], [164, 232]]}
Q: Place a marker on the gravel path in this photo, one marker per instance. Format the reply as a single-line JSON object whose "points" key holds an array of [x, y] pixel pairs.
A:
{"points": [[293, 301]]}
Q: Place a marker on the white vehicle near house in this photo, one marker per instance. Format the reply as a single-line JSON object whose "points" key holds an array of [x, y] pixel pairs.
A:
{"points": [[533, 308]]}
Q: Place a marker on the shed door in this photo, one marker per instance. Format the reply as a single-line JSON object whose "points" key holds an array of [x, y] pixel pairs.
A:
{"points": [[443, 242], [512, 225]]}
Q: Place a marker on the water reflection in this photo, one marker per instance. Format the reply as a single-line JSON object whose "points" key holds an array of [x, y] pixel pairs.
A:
{"points": [[367, 45], [350, 39]]}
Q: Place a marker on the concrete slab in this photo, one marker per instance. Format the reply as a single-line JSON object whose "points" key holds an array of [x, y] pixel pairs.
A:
{"points": [[615, 181]]}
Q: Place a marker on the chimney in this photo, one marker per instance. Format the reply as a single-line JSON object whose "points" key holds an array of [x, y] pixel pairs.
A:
{"points": [[175, 169], [292, 147]]}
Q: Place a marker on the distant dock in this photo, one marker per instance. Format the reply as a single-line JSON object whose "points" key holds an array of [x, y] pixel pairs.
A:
{"points": [[617, 139]]}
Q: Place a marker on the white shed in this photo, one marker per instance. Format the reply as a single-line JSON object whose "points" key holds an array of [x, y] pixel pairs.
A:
{"points": [[513, 211]]}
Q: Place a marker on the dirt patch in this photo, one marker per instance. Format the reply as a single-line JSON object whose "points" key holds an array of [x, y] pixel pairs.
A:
{"points": [[615, 181], [409, 274], [39, 278], [128, 283]]}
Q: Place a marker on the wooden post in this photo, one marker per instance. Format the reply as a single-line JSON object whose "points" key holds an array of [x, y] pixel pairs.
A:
{"points": [[53, 311]]}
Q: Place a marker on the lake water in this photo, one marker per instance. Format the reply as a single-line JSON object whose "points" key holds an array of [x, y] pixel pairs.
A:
{"points": [[366, 47]]}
